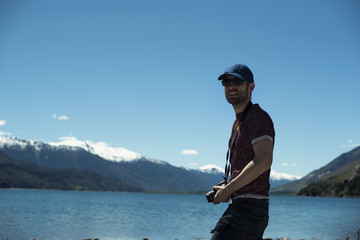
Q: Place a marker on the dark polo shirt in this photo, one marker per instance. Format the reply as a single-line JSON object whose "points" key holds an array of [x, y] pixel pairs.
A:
{"points": [[255, 127]]}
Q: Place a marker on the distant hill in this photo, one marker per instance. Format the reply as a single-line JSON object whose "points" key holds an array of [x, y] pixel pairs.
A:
{"points": [[124, 166], [344, 182], [21, 174], [136, 170], [343, 168]]}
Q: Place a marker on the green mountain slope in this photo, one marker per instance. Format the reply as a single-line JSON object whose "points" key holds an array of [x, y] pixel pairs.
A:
{"points": [[344, 182], [339, 168]]}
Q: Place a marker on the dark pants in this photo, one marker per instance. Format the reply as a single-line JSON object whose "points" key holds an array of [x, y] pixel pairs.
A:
{"points": [[244, 219]]}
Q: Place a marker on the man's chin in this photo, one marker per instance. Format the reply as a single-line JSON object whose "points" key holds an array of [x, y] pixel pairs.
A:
{"points": [[235, 101]]}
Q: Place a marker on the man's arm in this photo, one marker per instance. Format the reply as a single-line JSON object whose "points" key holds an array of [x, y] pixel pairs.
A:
{"points": [[261, 163]]}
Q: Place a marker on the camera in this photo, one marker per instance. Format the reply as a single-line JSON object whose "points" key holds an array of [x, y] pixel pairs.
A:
{"points": [[211, 194]]}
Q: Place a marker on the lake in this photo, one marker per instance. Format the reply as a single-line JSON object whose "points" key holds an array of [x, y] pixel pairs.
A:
{"points": [[53, 215]]}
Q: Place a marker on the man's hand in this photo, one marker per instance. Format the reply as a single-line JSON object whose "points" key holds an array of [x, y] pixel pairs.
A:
{"points": [[222, 195]]}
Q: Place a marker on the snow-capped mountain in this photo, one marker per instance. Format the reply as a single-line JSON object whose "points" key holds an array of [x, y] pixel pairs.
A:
{"points": [[275, 176], [123, 165], [119, 163], [211, 169], [278, 179], [22, 144], [101, 149]]}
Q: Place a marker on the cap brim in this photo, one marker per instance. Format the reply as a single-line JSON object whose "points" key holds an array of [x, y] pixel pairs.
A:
{"points": [[221, 77]]}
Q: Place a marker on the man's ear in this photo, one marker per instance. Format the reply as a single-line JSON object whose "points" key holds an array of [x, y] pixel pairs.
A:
{"points": [[252, 86]]}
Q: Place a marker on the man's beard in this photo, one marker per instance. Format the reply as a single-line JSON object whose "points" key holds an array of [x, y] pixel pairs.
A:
{"points": [[239, 98]]}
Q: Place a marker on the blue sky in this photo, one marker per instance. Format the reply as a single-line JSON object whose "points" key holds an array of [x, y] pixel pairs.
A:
{"points": [[142, 75]]}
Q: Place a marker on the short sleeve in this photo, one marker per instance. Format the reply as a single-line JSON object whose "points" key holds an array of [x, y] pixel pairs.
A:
{"points": [[260, 126]]}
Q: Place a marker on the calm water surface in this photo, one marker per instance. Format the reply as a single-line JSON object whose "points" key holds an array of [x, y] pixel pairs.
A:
{"points": [[48, 215]]}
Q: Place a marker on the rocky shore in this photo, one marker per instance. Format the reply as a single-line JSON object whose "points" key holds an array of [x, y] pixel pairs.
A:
{"points": [[281, 238]]}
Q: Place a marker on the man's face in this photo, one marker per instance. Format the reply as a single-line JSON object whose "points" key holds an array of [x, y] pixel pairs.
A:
{"points": [[237, 91]]}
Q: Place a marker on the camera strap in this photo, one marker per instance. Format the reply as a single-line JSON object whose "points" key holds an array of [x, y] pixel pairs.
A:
{"points": [[230, 148]]}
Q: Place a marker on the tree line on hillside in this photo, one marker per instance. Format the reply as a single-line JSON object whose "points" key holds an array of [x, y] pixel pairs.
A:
{"points": [[328, 188], [34, 177]]}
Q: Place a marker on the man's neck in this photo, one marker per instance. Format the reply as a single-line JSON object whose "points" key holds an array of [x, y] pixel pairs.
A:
{"points": [[238, 108]]}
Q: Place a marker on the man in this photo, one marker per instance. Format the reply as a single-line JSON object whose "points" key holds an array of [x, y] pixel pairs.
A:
{"points": [[250, 156]]}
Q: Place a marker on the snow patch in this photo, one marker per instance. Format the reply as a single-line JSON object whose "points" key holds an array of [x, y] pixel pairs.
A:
{"points": [[13, 141], [211, 169], [283, 176], [101, 149]]}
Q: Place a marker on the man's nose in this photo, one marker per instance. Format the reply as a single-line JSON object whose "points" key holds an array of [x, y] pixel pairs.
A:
{"points": [[232, 84]]}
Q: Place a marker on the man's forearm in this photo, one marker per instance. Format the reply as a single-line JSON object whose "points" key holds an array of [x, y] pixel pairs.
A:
{"points": [[261, 162], [251, 171]]}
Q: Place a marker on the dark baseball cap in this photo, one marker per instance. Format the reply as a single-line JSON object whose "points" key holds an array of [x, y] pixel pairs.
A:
{"points": [[239, 71]]}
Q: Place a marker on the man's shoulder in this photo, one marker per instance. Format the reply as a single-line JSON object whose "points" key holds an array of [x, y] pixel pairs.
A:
{"points": [[257, 110], [258, 125]]}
